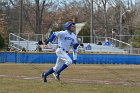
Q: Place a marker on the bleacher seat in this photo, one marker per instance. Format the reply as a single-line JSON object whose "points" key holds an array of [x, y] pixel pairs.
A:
{"points": [[32, 46]]}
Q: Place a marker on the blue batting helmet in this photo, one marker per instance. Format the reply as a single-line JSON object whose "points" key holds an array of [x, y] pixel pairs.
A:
{"points": [[68, 25]]}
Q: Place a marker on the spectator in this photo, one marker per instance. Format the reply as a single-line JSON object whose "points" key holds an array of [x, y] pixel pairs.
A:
{"points": [[23, 50], [99, 42], [107, 43], [81, 47], [39, 48], [88, 47], [12, 49], [40, 42]]}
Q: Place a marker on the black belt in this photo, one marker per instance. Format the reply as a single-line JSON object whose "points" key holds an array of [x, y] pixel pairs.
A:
{"points": [[64, 49]]}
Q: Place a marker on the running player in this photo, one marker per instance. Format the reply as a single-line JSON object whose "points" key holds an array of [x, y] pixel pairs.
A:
{"points": [[66, 40]]}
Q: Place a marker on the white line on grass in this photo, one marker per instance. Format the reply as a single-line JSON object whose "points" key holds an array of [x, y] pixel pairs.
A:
{"points": [[78, 80]]}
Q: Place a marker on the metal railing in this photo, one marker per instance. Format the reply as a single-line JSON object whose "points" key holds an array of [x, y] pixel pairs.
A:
{"points": [[113, 41], [86, 39], [31, 37], [15, 38], [25, 40]]}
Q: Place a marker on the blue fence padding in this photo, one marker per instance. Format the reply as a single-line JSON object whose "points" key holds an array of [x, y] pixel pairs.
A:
{"points": [[1, 57], [109, 59], [36, 58], [8, 57], [82, 58], [11, 57]]}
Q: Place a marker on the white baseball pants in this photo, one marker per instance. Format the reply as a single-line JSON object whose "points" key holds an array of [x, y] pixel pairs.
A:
{"points": [[62, 58]]}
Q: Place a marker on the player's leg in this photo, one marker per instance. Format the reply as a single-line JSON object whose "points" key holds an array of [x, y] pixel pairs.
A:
{"points": [[57, 66], [66, 59], [50, 71], [45, 74]]}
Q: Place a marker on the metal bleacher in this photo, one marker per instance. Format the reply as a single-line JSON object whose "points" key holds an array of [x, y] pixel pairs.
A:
{"points": [[103, 48], [28, 45], [18, 43]]}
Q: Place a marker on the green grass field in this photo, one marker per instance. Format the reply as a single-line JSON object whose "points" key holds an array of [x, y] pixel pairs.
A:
{"points": [[80, 78]]}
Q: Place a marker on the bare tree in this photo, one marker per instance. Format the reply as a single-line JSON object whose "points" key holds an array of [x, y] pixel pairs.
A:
{"points": [[39, 13]]}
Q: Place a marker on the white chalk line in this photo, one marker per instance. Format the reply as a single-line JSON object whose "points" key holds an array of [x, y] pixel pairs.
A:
{"points": [[76, 80]]}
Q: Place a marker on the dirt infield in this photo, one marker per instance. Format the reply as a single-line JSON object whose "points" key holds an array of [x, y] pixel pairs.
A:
{"points": [[68, 80]]}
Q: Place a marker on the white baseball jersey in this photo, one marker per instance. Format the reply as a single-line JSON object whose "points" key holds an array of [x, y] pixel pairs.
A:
{"points": [[66, 39]]}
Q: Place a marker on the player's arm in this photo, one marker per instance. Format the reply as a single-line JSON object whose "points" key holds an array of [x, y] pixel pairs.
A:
{"points": [[52, 37]]}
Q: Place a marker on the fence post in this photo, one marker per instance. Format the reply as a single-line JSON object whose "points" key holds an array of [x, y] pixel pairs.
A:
{"points": [[4, 59]]}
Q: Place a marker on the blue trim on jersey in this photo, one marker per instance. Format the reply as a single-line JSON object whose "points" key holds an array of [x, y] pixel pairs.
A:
{"points": [[52, 37], [69, 38], [75, 45]]}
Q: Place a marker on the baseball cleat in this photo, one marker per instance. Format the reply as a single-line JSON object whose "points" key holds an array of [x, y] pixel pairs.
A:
{"points": [[44, 77], [57, 77]]}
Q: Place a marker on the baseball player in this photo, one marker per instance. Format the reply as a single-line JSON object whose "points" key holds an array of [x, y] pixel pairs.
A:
{"points": [[66, 40]]}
